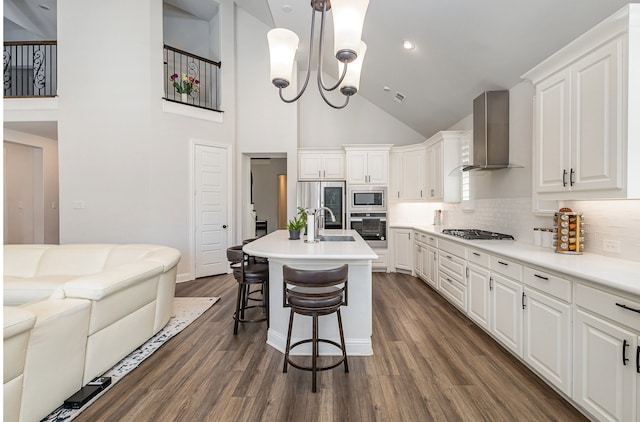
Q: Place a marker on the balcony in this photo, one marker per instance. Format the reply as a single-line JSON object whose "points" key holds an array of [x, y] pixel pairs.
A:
{"points": [[30, 69], [205, 71]]}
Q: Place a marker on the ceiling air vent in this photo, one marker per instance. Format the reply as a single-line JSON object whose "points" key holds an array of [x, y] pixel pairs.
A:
{"points": [[399, 97]]}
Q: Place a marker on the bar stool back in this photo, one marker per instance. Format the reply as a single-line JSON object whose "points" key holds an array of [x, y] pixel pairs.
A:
{"points": [[248, 273], [315, 293]]}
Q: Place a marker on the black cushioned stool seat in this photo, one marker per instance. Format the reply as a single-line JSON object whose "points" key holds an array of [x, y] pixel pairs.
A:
{"points": [[315, 293]]}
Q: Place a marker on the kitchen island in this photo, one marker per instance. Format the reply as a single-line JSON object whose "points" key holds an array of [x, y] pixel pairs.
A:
{"points": [[356, 316]]}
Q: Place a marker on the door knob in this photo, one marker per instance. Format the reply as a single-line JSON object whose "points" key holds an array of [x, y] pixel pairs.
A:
{"points": [[224, 226]]}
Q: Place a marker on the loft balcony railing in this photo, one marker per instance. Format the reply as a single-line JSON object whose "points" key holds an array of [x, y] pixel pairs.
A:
{"points": [[30, 68], [205, 71]]}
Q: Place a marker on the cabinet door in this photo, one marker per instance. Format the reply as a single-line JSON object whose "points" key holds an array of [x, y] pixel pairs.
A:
{"points": [[604, 384], [596, 160], [434, 172], [553, 143], [431, 267], [417, 260], [413, 180], [547, 338], [333, 166], [378, 167], [506, 315], [357, 167], [395, 176], [309, 166], [402, 253], [478, 285]]}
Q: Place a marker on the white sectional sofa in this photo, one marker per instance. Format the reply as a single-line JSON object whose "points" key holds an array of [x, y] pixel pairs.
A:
{"points": [[93, 303]]}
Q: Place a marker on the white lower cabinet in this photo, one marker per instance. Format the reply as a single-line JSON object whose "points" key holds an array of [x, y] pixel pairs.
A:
{"points": [[381, 263], [506, 318], [606, 365], [451, 274], [479, 288], [430, 267], [402, 249]]}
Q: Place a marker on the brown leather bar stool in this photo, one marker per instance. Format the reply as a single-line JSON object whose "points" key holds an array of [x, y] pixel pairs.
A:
{"points": [[315, 293], [248, 273]]}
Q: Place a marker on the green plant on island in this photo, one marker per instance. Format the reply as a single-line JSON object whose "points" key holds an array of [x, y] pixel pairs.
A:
{"points": [[296, 223]]}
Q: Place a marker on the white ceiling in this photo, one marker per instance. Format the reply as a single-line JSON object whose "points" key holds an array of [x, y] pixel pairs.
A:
{"points": [[463, 47]]}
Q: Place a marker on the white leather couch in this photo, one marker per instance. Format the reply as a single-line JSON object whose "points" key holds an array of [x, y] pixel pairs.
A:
{"points": [[94, 304]]}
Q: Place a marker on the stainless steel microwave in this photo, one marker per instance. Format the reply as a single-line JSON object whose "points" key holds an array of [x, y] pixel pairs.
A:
{"points": [[369, 198]]}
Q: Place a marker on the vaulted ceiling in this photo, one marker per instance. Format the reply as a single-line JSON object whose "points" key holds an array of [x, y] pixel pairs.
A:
{"points": [[463, 47]]}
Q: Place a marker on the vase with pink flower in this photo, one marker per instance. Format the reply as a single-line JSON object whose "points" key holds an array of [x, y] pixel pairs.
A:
{"points": [[185, 85]]}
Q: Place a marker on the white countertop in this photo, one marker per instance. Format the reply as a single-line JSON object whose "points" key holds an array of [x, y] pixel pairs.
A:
{"points": [[278, 245], [615, 273]]}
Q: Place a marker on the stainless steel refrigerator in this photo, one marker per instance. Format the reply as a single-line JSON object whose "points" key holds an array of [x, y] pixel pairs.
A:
{"points": [[313, 195]]}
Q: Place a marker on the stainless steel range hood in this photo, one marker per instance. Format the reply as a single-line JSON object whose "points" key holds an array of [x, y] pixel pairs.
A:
{"points": [[490, 131]]}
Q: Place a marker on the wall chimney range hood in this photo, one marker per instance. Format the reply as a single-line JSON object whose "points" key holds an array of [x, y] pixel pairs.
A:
{"points": [[490, 131]]}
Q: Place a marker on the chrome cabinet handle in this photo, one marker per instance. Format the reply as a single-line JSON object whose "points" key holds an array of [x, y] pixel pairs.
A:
{"points": [[564, 178]]}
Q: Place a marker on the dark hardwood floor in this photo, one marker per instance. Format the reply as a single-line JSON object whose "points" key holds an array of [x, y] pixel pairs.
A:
{"points": [[430, 363]]}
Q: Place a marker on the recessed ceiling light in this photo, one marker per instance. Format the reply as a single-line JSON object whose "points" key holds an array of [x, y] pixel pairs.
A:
{"points": [[408, 45], [386, 89], [44, 7], [287, 8]]}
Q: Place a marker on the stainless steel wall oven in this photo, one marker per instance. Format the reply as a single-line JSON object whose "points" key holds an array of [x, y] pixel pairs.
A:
{"points": [[372, 226]]}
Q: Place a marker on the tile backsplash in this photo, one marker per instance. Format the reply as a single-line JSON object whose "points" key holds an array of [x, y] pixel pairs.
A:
{"points": [[618, 221]]}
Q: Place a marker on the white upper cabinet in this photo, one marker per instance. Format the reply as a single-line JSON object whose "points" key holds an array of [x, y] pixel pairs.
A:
{"points": [[586, 100], [443, 166], [367, 164], [321, 165], [407, 169]]}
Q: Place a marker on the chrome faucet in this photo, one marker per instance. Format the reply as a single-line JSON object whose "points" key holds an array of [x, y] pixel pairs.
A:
{"points": [[333, 218]]}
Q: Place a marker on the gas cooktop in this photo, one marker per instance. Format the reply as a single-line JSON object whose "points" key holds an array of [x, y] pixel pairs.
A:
{"points": [[475, 234]]}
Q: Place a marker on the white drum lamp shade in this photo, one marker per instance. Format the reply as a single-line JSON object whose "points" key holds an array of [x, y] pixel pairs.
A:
{"points": [[348, 20], [283, 44]]}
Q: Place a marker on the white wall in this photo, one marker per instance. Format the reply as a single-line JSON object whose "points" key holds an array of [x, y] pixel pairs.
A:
{"points": [[120, 154], [49, 148], [184, 32], [360, 122], [266, 126]]}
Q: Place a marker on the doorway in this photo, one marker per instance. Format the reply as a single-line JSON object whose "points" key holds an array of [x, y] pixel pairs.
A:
{"points": [[23, 194], [268, 193]]}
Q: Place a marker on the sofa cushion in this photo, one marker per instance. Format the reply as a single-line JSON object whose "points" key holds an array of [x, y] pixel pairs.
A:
{"points": [[22, 260], [19, 290], [73, 260]]}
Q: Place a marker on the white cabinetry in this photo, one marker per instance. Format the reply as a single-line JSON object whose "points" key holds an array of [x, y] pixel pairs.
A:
{"points": [[407, 169], [585, 114], [380, 264], [479, 287], [402, 249], [321, 165], [606, 369], [547, 327], [430, 267], [442, 159], [452, 278], [506, 315], [368, 164]]}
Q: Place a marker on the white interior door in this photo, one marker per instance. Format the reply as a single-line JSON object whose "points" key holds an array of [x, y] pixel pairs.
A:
{"points": [[210, 201]]}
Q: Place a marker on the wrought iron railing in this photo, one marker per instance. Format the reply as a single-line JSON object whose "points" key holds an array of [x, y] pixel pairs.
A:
{"points": [[30, 68], [180, 65]]}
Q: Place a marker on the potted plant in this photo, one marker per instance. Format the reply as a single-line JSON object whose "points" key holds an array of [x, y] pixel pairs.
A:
{"points": [[185, 86], [294, 226]]}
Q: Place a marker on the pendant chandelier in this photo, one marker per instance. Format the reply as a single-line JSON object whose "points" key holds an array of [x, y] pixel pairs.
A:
{"points": [[348, 19]]}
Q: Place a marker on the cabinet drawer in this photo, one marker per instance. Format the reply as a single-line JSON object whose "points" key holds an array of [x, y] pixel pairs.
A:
{"points": [[550, 284], [431, 240], [452, 264], [608, 305], [453, 248], [418, 237], [478, 257], [506, 267], [453, 290]]}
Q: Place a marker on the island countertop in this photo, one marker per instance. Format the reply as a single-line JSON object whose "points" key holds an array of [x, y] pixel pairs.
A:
{"points": [[278, 245]]}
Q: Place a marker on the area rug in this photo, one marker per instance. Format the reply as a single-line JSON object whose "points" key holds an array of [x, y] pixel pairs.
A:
{"points": [[185, 311]]}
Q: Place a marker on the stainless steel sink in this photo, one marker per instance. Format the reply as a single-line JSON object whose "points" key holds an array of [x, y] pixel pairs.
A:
{"points": [[336, 238]]}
